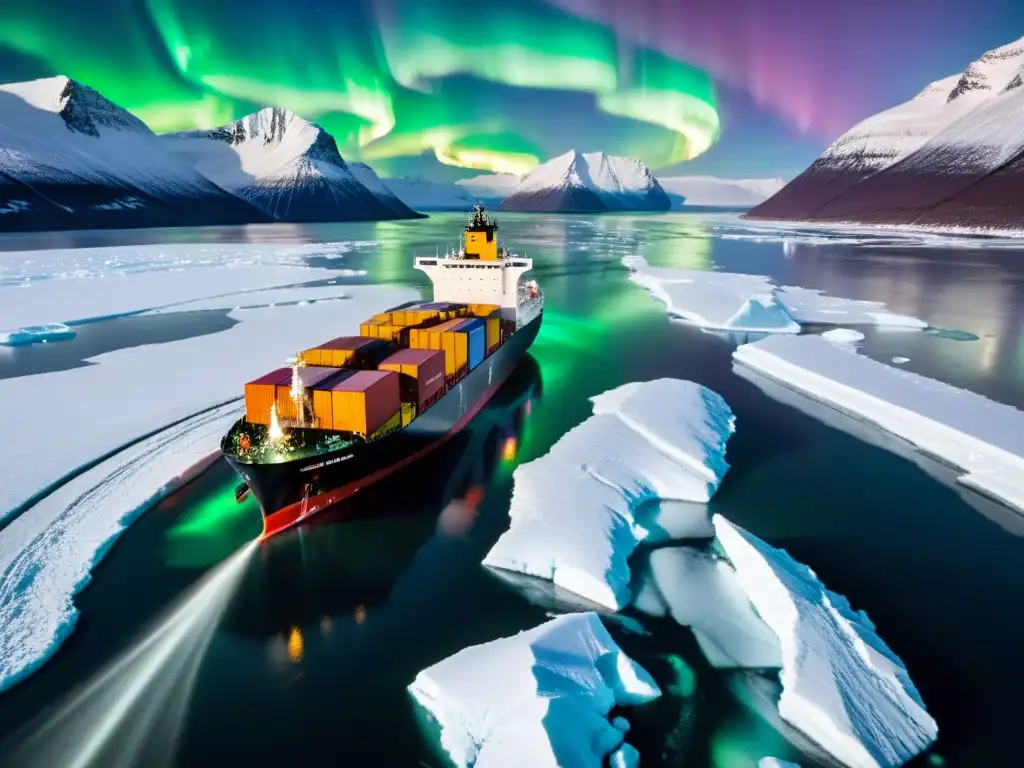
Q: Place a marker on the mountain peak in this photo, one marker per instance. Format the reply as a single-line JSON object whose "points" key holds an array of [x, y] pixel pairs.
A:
{"points": [[990, 73], [82, 109]]}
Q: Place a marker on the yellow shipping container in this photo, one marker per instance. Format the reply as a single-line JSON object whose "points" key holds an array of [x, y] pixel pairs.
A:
{"points": [[483, 310], [323, 413], [408, 413], [258, 398], [493, 332], [386, 331], [441, 338]]}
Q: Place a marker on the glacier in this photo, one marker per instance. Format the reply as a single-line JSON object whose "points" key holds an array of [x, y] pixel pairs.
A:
{"points": [[842, 686], [713, 192], [539, 698], [729, 301], [982, 438], [573, 510]]}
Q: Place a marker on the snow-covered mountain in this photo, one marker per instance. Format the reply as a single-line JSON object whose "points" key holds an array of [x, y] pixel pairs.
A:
{"points": [[712, 192], [491, 188], [951, 156], [283, 165], [421, 194], [369, 179], [576, 182], [71, 159]]}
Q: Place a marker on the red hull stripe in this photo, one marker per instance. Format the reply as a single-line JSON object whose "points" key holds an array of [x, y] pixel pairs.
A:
{"points": [[292, 514]]}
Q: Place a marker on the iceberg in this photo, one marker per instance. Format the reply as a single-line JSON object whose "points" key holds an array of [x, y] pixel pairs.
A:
{"points": [[539, 698], [982, 438], [48, 552], [714, 300], [573, 510], [702, 592], [842, 686], [730, 301]]}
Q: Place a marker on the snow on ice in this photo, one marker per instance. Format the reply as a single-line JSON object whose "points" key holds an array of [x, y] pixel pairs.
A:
{"points": [[841, 684], [47, 553], [701, 592], [573, 510], [66, 285], [845, 338], [715, 300], [127, 393], [752, 303], [539, 698], [984, 439]]}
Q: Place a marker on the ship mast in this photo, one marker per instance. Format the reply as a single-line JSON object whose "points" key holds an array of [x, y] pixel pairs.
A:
{"points": [[298, 391]]}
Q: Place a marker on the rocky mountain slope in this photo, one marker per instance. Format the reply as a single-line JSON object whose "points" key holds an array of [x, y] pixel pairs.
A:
{"points": [[287, 167], [951, 157], [71, 159]]}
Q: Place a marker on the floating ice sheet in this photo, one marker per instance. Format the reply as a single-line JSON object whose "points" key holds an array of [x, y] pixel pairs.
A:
{"points": [[540, 698], [983, 438], [752, 303], [573, 509], [841, 684], [47, 553]]}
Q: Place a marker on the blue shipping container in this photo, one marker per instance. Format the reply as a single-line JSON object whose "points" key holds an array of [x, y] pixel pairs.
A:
{"points": [[476, 346]]}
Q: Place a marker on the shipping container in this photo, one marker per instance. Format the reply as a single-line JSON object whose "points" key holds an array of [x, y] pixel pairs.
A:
{"points": [[347, 351], [393, 423], [453, 338], [483, 310], [384, 331], [414, 316], [476, 346], [422, 373], [360, 403], [259, 395], [492, 332], [310, 376]]}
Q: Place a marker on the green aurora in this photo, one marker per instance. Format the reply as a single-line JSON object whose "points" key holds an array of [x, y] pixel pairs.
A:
{"points": [[494, 90]]}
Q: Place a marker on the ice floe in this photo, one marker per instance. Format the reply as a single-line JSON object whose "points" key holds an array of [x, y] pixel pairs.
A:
{"points": [[47, 553], [813, 307], [841, 685], [573, 510], [701, 592], [846, 338], [37, 334], [982, 438], [900, 360], [75, 284], [715, 300], [540, 698], [774, 762], [753, 303]]}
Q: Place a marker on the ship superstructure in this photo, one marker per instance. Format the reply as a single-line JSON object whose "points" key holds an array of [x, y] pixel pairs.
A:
{"points": [[346, 413]]}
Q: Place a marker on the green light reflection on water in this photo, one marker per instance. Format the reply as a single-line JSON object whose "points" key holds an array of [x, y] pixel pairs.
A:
{"points": [[214, 527]]}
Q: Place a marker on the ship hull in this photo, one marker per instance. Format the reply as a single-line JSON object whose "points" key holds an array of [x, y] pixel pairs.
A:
{"points": [[290, 492]]}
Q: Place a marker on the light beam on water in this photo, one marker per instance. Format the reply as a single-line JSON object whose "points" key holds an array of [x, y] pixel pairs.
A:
{"points": [[132, 710]]}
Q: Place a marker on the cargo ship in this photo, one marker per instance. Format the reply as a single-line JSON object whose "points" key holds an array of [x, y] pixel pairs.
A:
{"points": [[349, 412]]}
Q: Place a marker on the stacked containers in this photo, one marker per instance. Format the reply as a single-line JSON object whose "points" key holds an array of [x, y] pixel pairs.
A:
{"points": [[347, 351], [476, 347], [362, 402], [413, 316], [381, 329], [260, 393], [491, 315], [421, 374], [310, 377]]}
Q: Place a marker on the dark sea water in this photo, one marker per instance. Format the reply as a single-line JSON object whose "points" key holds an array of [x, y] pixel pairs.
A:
{"points": [[330, 622]]}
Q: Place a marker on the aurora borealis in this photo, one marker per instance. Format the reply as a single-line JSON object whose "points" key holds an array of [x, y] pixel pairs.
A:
{"points": [[500, 86]]}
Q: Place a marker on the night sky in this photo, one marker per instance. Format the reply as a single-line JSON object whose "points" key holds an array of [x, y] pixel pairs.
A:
{"points": [[729, 87]]}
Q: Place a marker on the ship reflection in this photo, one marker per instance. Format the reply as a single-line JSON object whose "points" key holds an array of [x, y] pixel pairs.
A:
{"points": [[327, 577]]}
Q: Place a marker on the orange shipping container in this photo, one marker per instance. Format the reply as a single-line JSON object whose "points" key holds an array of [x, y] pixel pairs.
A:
{"points": [[345, 351], [310, 377], [422, 373], [259, 395], [361, 403], [483, 310], [443, 338]]}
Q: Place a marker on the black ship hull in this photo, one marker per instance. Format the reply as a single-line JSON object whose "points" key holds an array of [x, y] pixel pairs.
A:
{"points": [[290, 492]]}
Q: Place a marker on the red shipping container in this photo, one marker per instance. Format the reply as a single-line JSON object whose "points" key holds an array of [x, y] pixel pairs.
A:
{"points": [[422, 368], [364, 401]]}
